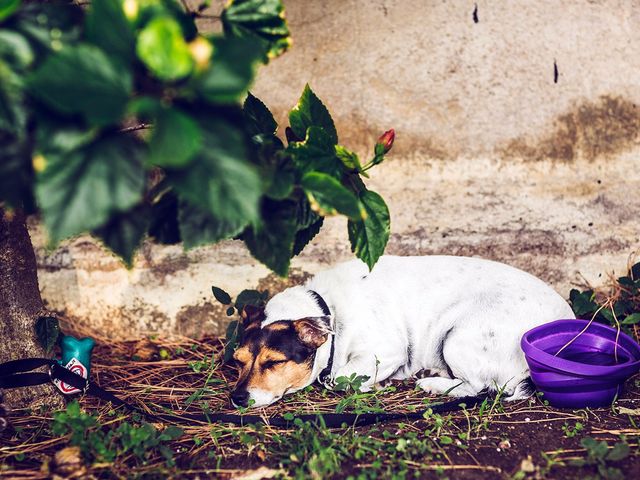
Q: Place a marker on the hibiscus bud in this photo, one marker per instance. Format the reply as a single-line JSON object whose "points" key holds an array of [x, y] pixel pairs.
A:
{"points": [[386, 140]]}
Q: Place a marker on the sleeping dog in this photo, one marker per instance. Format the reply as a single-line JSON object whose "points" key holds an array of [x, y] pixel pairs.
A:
{"points": [[458, 318]]}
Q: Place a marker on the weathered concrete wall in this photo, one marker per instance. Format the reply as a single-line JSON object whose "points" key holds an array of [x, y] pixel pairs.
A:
{"points": [[492, 158]]}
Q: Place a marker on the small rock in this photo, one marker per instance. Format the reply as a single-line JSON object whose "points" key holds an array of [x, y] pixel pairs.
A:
{"points": [[67, 463], [527, 465], [145, 350], [258, 474], [505, 444]]}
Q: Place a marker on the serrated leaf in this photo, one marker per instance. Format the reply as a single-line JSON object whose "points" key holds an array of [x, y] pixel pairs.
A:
{"points": [[620, 451], [107, 27], [349, 159], [304, 236], [175, 139], [124, 232], [271, 242], [632, 319], [198, 227], [316, 153], [100, 96], [259, 118], [311, 112], [80, 189], [220, 295], [329, 196], [369, 237], [249, 297], [582, 302], [219, 179], [48, 332], [162, 48], [227, 80], [263, 19]]}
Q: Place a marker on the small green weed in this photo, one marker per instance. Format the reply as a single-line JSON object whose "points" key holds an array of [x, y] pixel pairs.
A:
{"points": [[103, 443], [600, 455], [620, 307], [570, 431]]}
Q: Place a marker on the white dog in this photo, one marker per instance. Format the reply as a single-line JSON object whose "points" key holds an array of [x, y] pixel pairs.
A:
{"points": [[459, 318]]}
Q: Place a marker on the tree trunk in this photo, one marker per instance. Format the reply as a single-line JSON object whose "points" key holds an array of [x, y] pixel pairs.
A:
{"points": [[20, 306]]}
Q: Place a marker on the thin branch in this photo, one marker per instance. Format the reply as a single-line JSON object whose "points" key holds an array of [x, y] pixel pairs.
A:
{"points": [[141, 126]]}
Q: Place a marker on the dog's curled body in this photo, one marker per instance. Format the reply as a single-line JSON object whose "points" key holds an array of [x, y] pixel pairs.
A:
{"points": [[459, 318]]}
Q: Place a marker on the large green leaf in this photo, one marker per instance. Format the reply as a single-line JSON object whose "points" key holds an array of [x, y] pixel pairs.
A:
{"points": [[259, 119], [232, 70], [261, 18], [107, 27], [162, 48], [15, 49], [13, 114], [80, 189], [124, 232], [198, 227], [176, 138], [349, 159], [328, 196], [100, 89], [48, 332], [317, 153], [369, 237], [271, 242], [219, 179], [304, 236], [7, 7], [311, 112]]}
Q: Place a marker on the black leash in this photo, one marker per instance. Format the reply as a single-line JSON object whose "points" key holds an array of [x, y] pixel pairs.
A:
{"points": [[17, 373]]}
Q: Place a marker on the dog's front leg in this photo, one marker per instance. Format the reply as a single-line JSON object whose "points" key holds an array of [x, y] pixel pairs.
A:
{"points": [[365, 365]]}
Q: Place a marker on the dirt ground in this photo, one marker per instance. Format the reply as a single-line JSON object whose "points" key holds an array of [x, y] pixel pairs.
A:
{"points": [[497, 440]]}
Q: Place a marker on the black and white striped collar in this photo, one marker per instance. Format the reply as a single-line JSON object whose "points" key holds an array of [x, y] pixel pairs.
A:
{"points": [[326, 371]]}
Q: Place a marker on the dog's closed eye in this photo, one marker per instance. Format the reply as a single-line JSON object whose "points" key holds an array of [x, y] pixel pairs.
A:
{"points": [[272, 363]]}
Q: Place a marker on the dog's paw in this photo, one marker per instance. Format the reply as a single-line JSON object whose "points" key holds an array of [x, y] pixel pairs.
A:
{"points": [[445, 386]]}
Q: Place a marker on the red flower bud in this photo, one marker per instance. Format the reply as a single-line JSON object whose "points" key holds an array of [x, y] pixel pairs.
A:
{"points": [[386, 140]]}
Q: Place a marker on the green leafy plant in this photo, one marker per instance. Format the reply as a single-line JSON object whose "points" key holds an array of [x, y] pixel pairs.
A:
{"points": [[103, 444], [48, 332], [233, 336], [570, 431], [80, 88], [601, 456], [353, 383], [619, 307]]}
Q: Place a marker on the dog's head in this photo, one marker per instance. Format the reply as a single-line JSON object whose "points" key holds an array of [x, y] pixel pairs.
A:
{"points": [[276, 356]]}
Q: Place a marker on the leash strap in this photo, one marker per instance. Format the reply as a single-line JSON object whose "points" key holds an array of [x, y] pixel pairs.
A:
{"points": [[12, 376]]}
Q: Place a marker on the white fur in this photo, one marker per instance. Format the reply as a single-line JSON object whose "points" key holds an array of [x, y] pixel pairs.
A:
{"points": [[469, 312]]}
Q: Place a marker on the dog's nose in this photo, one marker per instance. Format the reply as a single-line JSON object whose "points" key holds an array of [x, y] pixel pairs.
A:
{"points": [[240, 398]]}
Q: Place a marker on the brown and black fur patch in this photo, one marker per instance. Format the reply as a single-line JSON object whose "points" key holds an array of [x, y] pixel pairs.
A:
{"points": [[274, 359]]}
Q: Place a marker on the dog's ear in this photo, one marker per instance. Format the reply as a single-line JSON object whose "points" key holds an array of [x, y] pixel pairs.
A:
{"points": [[313, 331], [252, 315]]}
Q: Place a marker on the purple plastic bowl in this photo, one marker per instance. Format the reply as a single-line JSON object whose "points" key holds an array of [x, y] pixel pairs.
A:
{"points": [[584, 374]]}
